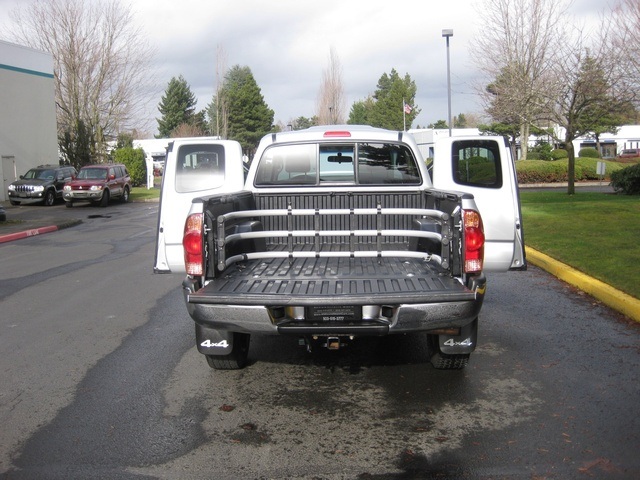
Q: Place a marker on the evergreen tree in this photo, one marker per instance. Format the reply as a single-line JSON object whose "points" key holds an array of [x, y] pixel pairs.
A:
{"points": [[248, 116], [439, 124], [360, 110], [177, 106], [301, 123], [75, 145], [386, 108], [460, 121]]}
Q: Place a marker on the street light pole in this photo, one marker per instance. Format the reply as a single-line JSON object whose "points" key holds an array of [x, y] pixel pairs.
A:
{"points": [[448, 33]]}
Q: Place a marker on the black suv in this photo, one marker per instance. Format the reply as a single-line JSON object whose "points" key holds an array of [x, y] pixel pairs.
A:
{"points": [[42, 183]]}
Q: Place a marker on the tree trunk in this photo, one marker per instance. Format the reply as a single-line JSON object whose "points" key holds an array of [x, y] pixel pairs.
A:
{"points": [[524, 140], [571, 167]]}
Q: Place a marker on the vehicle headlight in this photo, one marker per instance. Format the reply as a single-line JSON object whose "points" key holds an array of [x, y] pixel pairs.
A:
{"points": [[96, 187], [38, 188], [11, 188], [67, 188]]}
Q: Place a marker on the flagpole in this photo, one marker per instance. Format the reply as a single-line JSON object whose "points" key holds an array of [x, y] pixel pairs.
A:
{"points": [[404, 116]]}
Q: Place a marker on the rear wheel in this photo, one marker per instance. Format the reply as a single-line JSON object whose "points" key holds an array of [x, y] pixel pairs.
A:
{"points": [[49, 198], [235, 360], [105, 199], [125, 195]]}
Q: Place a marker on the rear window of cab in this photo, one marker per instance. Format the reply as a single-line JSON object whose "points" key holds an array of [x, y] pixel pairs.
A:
{"points": [[337, 163]]}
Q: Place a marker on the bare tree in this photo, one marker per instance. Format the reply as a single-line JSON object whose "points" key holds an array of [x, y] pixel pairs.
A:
{"points": [[100, 63], [623, 26], [591, 85], [331, 105], [187, 130], [516, 53], [219, 109]]}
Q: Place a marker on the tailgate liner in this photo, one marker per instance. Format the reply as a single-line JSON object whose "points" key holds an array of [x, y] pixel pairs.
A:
{"points": [[309, 281]]}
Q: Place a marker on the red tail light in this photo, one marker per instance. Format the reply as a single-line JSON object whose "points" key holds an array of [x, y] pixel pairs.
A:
{"points": [[192, 244], [473, 241]]}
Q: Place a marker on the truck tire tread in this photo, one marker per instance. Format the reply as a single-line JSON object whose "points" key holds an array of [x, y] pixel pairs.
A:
{"points": [[235, 360]]}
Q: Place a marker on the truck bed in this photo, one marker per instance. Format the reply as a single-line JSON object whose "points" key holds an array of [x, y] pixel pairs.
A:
{"points": [[351, 281]]}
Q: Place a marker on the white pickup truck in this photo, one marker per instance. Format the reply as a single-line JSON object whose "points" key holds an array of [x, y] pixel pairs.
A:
{"points": [[338, 232]]}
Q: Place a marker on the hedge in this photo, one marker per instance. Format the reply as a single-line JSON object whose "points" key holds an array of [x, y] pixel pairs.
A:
{"points": [[627, 180], [541, 171]]}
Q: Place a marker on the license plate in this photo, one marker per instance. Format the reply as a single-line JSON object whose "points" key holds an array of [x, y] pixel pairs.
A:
{"points": [[333, 313]]}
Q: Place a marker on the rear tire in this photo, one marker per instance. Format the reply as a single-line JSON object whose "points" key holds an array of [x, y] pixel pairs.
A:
{"points": [[442, 361], [125, 195], [235, 360]]}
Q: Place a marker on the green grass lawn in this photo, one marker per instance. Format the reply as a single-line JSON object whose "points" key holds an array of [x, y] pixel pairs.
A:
{"points": [[141, 194], [596, 233]]}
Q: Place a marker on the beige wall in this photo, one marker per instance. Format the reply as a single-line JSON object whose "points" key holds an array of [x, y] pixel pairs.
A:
{"points": [[27, 112]]}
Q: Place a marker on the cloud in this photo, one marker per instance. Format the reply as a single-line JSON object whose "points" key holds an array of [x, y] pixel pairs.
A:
{"points": [[286, 45]]}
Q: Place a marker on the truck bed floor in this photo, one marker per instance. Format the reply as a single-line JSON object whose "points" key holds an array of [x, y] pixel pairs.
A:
{"points": [[311, 281]]}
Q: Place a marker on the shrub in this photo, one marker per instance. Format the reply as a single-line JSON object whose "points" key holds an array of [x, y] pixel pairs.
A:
{"points": [[540, 171], [588, 152], [627, 180], [559, 153], [543, 151], [533, 155], [133, 159]]}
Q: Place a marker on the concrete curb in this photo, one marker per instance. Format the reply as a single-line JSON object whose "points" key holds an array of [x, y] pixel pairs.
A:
{"points": [[620, 301], [37, 231]]}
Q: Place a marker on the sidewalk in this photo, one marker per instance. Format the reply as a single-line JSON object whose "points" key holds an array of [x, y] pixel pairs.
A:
{"points": [[11, 232], [31, 220]]}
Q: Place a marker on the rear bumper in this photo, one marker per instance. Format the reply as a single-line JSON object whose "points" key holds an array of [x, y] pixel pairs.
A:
{"points": [[372, 319]]}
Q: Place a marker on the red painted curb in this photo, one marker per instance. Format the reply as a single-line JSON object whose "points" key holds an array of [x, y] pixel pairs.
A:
{"points": [[27, 233]]}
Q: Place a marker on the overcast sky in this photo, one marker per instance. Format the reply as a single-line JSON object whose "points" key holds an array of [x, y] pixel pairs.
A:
{"points": [[286, 45]]}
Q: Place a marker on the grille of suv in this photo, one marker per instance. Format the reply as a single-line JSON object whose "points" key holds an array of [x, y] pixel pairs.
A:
{"points": [[24, 188]]}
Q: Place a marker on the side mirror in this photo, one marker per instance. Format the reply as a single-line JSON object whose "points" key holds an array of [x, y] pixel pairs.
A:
{"points": [[112, 177]]}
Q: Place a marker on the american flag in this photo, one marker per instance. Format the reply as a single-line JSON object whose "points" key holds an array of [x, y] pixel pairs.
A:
{"points": [[407, 108]]}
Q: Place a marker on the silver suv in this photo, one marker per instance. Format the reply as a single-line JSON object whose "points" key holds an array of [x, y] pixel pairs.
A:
{"points": [[43, 183]]}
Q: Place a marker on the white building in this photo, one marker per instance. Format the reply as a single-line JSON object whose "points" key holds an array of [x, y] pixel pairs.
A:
{"points": [[28, 133]]}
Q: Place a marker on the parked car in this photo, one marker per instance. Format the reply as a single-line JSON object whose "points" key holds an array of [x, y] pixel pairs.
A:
{"points": [[3, 214], [43, 183], [629, 153], [98, 184]]}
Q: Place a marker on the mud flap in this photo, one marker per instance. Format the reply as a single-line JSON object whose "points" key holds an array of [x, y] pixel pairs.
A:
{"points": [[213, 342], [460, 344]]}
